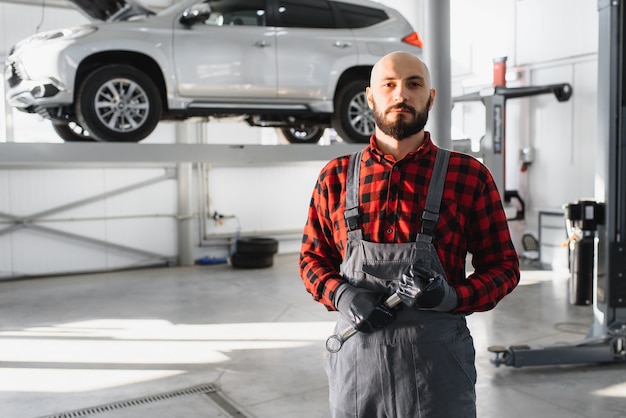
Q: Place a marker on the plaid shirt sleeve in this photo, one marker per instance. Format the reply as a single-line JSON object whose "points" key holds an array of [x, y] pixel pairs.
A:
{"points": [[494, 258], [320, 256]]}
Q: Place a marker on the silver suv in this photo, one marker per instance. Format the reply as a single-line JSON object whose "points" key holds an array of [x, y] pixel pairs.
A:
{"points": [[297, 65]]}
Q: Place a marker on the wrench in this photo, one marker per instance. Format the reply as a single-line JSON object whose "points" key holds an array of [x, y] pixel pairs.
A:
{"points": [[335, 341]]}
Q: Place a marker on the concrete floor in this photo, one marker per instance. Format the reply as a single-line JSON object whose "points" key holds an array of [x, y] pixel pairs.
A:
{"points": [[212, 341]]}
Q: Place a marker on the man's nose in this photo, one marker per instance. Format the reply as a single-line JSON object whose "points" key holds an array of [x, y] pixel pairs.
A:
{"points": [[399, 94]]}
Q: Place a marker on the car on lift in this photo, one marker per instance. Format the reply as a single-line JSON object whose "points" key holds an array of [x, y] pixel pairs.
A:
{"points": [[299, 66]]}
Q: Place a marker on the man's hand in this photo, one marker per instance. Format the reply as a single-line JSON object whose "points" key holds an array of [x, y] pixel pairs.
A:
{"points": [[363, 308], [423, 288]]}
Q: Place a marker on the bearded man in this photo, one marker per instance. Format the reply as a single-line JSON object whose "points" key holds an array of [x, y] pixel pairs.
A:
{"points": [[400, 218]]}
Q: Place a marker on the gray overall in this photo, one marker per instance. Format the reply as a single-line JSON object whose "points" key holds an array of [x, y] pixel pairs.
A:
{"points": [[422, 365]]}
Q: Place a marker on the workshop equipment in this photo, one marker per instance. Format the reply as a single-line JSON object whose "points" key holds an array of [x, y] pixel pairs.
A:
{"points": [[582, 219]]}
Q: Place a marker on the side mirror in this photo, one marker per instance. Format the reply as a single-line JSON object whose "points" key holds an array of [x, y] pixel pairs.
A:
{"points": [[197, 13]]}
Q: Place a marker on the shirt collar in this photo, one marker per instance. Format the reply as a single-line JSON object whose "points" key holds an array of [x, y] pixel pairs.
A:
{"points": [[426, 147]]}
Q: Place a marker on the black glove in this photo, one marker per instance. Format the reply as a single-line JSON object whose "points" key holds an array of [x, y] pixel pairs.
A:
{"points": [[363, 308], [424, 288]]}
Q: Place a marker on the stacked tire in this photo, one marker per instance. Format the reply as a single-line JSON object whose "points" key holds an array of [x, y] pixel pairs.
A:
{"points": [[254, 253]]}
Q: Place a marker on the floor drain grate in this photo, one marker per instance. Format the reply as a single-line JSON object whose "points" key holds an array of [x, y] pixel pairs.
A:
{"points": [[209, 390]]}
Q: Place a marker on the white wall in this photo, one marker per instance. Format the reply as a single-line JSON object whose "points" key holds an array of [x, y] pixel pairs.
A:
{"points": [[65, 200], [264, 199], [547, 31]]}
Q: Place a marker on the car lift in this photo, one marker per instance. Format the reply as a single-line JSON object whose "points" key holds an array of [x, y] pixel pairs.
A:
{"points": [[493, 144], [606, 340]]}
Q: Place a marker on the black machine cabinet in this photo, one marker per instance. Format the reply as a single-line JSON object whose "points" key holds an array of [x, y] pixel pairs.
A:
{"points": [[583, 218]]}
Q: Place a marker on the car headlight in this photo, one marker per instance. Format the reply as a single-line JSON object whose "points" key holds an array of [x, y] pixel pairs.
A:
{"points": [[64, 34], [77, 32]]}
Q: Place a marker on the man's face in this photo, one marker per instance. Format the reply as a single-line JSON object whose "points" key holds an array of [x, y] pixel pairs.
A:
{"points": [[400, 96]]}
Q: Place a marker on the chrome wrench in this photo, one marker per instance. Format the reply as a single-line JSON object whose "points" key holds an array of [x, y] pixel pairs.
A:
{"points": [[335, 341]]}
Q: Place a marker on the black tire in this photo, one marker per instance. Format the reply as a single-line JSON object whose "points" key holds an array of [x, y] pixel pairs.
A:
{"points": [[246, 261], [353, 119], [118, 103], [72, 132], [256, 246], [305, 135]]}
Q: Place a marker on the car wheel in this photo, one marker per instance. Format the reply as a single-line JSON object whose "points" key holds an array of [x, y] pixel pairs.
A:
{"points": [[353, 119], [306, 135], [254, 253], [71, 132], [257, 246], [244, 261], [118, 103]]}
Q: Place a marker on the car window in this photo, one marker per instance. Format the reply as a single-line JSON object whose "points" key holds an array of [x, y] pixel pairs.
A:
{"points": [[309, 14], [355, 16], [237, 13]]}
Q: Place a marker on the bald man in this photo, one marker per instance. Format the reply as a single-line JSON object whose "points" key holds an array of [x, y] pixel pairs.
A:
{"points": [[400, 217]]}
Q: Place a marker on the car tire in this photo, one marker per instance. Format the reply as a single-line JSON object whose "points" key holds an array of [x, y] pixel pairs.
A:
{"points": [[246, 261], [118, 103], [256, 246], [353, 119], [308, 135], [71, 132], [254, 253]]}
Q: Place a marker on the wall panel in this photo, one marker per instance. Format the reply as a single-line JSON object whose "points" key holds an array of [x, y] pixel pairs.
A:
{"points": [[59, 220]]}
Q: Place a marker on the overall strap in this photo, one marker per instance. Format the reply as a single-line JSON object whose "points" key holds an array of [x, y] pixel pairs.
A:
{"points": [[352, 195], [430, 215]]}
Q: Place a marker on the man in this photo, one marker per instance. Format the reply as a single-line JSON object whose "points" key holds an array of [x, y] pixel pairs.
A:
{"points": [[400, 217]]}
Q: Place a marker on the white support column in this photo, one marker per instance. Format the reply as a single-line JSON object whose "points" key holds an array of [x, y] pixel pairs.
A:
{"points": [[8, 119], [185, 133], [437, 57]]}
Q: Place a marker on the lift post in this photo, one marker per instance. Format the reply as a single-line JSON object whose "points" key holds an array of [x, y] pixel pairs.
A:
{"points": [[606, 340], [493, 145]]}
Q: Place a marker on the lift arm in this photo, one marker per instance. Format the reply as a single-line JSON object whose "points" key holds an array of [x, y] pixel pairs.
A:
{"points": [[562, 92]]}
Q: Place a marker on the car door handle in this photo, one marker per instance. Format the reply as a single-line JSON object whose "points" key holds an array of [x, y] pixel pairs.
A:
{"points": [[261, 44], [342, 44]]}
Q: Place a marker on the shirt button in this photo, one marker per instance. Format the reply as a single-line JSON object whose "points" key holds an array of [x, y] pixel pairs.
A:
{"points": [[389, 231]]}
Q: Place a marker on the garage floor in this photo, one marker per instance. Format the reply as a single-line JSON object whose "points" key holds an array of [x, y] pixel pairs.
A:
{"points": [[211, 341]]}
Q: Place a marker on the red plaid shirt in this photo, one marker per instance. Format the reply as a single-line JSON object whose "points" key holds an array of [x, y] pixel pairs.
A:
{"points": [[392, 197]]}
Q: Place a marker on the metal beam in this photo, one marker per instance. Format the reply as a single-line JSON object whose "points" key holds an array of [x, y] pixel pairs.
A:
{"points": [[29, 155]]}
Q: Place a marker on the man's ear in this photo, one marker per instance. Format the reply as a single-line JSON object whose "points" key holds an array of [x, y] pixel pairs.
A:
{"points": [[368, 94], [433, 93]]}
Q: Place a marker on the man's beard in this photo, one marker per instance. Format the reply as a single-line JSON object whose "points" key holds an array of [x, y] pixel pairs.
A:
{"points": [[402, 128]]}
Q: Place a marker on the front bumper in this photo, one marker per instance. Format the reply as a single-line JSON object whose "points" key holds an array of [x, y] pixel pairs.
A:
{"points": [[23, 93]]}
